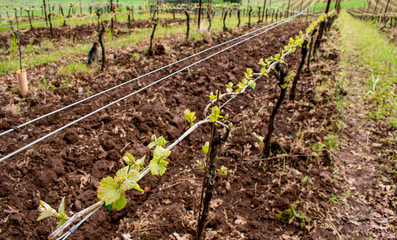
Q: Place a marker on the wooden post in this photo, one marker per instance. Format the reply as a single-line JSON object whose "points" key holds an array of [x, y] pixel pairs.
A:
{"points": [[376, 6], [45, 13], [199, 15], [187, 25], [249, 17], [263, 10], [49, 20], [387, 6], [239, 17], [102, 47]]}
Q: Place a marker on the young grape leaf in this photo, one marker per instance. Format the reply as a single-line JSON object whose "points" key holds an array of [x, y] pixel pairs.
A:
{"points": [[215, 114], [137, 187], [131, 178], [141, 161], [158, 166], [108, 190], [119, 203], [190, 116], [229, 87], [61, 209], [206, 147], [129, 159], [46, 210], [160, 152], [61, 222]]}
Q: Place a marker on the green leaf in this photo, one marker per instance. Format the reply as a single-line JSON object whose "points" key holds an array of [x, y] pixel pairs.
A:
{"points": [[120, 203], [160, 152], [137, 187], [212, 96], [158, 166], [190, 116], [128, 158], [229, 87], [61, 222], [206, 147], [46, 210], [157, 142], [131, 181], [151, 145], [141, 161], [215, 114], [108, 190], [61, 209]]}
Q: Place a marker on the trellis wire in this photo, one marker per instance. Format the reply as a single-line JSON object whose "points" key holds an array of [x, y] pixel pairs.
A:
{"points": [[188, 132], [134, 79]]}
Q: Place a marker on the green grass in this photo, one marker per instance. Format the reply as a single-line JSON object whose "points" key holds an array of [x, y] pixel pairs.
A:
{"points": [[364, 47]]}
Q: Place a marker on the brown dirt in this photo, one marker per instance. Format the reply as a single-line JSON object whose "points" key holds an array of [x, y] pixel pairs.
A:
{"points": [[246, 201], [77, 33]]}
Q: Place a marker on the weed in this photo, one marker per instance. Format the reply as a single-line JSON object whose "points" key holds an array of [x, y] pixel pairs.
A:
{"points": [[224, 171], [44, 84], [89, 91], [291, 213], [73, 68]]}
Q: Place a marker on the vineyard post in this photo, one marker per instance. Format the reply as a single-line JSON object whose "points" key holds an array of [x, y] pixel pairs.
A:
{"points": [[30, 21], [81, 9], [249, 17], [49, 20], [298, 71], [387, 6], [321, 30], [70, 8], [132, 13], [45, 13], [199, 15], [280, 73], [150, 50], [33, 12], [263, 10], [128, 16], [289, 4], [63, 16], [239, 17], [173, 14], [376, 6], [102, 46], [267, 12], [187, 24], [16, 15], [111, 19], [300, 10], [310, 49], [259, 15]]}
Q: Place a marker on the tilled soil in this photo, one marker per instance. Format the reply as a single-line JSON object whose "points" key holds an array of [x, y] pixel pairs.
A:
{"points": [[72, 162], [77, 33]]}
